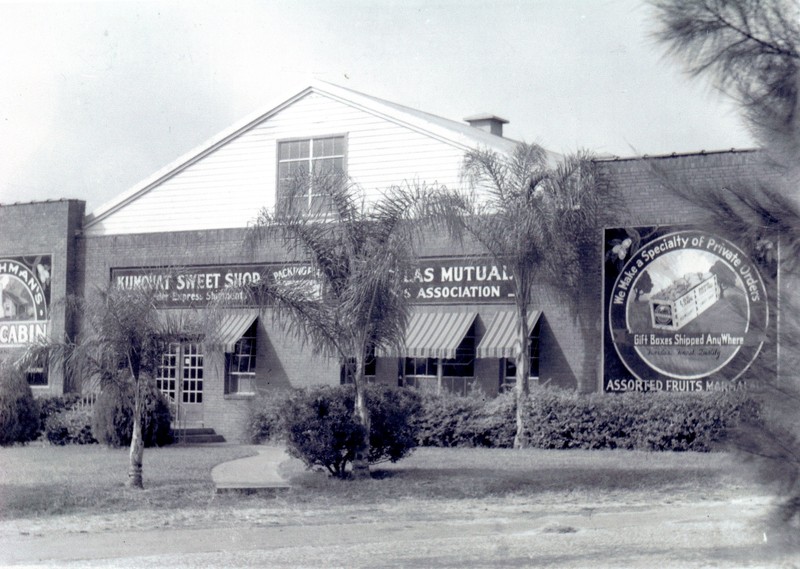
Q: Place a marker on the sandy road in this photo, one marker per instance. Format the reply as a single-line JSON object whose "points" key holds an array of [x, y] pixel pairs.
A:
{"points": [[685, 535]]}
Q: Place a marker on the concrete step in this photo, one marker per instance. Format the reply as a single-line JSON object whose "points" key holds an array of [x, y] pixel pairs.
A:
{"points": [[197, 436], [195, 431]]}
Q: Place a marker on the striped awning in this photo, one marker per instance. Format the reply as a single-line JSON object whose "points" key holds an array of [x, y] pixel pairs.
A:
{"points": [[217, 330], [232, 327], [499, 341], [433, 335]]}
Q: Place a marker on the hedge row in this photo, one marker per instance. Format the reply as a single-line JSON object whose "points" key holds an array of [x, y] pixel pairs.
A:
{"points": [[561, 419]]}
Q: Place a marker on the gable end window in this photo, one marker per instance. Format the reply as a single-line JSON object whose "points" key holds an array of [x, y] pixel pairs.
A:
{"points": [[300, 162]]}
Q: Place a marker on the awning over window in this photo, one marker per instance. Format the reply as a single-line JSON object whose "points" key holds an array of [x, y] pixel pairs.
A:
{"points": [[232, 327], [220, 331], [499, 341], [433, 335]]}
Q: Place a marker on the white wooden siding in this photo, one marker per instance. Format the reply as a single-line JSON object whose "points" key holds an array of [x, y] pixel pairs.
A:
{"points": [[227, 187]]}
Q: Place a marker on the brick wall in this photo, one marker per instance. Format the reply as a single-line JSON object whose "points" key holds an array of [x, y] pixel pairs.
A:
{"points": [[47, 228]]}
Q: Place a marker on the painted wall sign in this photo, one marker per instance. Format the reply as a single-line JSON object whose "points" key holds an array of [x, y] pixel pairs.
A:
{"points": [[686, 310], [198, 286], [24, 300], [458, 281]]}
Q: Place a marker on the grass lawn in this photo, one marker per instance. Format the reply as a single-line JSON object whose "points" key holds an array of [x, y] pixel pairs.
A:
{"points": [[437, 508], [50, 480], [41, 481]]}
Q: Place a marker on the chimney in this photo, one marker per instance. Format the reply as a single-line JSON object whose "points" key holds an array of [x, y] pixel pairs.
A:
{"points": [[488, 123]]}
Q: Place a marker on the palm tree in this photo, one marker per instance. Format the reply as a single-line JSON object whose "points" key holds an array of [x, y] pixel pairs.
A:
{"points": [[352, 301], [537, 220], [122, 339]]}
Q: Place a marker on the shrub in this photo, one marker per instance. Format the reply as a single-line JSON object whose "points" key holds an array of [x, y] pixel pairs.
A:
{"points": [[19, 412], [495, 424], [263, 423], [51, 405], [449, 420], [393, 432], [112, 421], [69, 425], [320, 428]]}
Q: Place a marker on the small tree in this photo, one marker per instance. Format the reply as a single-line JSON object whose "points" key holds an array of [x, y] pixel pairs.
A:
{"points": [[537, 220], [121, 340], [353, 300]]}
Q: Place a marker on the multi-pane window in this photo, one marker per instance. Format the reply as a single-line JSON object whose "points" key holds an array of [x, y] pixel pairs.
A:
{"points": [[421, 367], [192, 387], [511, 367], [240, 365], [181, 363], [167, 374], [302, 164]]}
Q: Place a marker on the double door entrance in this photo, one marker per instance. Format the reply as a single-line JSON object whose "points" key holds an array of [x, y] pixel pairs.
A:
{"points": [[180, 378]]}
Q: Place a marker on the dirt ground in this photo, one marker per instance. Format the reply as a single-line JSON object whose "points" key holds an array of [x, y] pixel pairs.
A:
{"points": [[725, 529]]}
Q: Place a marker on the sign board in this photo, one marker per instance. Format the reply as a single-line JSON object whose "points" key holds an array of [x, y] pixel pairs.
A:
{"points": [[685, 310], [460, 281], [198, 286], [24, 300], [432, 281]]}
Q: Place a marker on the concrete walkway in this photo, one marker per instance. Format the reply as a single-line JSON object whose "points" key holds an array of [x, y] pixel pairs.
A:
{"points": [[252, 474]]}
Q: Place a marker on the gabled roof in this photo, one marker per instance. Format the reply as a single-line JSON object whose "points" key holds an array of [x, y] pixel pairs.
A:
{"points": [[451, 132]]}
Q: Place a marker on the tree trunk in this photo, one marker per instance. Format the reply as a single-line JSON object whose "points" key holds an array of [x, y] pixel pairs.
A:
{"points": [[361, 458], [523, 362], [137, 442]]}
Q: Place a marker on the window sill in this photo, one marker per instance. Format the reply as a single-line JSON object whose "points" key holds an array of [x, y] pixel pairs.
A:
{"points": [[238, 396]]}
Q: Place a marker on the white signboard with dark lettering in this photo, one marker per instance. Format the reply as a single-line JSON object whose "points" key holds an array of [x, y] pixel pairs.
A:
{"points": [[686, 310], [24, 300], [461, 281], [198, 286]]}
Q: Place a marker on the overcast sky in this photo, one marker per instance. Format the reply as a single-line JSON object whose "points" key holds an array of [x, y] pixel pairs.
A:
{"points": [[96, 96]]}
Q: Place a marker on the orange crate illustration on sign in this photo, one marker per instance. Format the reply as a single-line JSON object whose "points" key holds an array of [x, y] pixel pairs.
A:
{"points": [[685, 299]]}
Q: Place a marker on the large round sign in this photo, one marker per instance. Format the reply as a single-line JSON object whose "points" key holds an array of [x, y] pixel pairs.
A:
{"points": [[685, 307], [24, 294]]}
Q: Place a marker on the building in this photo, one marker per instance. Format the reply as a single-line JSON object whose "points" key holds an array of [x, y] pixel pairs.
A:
{"points": [[193, 214]]}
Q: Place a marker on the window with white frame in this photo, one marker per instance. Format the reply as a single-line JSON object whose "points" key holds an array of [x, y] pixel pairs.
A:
{"points": [[510, 377], [300, 162], [240, 364]]}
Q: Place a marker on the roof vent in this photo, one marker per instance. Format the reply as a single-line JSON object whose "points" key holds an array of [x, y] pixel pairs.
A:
{"points": [[488, 123]]}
